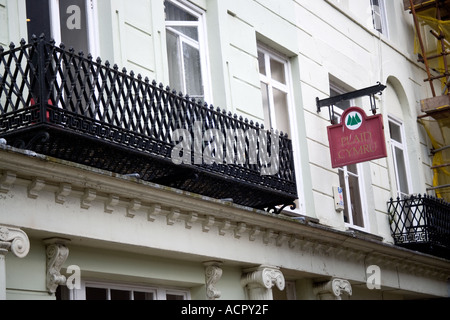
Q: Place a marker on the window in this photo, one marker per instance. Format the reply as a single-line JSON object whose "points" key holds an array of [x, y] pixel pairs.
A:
{"points": [[71, 22], [91, 290], [379, 16], [186, 49], [273, 70], [274, 74], [350, 178], [350, 182], [400, 160]]}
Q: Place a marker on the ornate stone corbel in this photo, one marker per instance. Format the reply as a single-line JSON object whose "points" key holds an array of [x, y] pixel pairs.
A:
{"points": [[269, 234], [254, 232], [87, 198], [63, 191], [111, 203], [172, 217], [7, 179], [239, 230], [213, 273], [133, 207], [35, 187], [15, 240], [224, 226], [260, 281], [208, 223], [153, 211], [57, 253], [333, 289]]}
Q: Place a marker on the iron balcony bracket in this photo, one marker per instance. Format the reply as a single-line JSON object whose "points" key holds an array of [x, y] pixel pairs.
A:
{"points": [[331, 102], [278, 209]]}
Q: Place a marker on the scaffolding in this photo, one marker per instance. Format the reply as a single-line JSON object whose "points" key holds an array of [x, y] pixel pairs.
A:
{"points": [[432, 46]]}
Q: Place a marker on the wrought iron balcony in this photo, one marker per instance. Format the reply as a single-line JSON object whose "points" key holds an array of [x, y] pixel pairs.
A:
{"points": [[65, 105], [421, 223]]}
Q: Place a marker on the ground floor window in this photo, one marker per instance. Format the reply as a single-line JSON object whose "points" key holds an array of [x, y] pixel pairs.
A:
{"points": [[95, 290]]}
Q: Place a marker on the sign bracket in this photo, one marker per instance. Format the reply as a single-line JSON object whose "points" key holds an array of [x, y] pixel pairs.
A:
{"points": [[331, 102]]}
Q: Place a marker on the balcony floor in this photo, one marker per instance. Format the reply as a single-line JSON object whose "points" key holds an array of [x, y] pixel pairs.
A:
{"points": [[207, 180]]}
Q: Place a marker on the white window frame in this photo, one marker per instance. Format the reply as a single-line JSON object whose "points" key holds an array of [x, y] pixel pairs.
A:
{"points": [[202, 44], [379, 15], [92, 25], [362, 193], [159, 293], [361, 183], [402, 146], [274, 84], [288, 89]]}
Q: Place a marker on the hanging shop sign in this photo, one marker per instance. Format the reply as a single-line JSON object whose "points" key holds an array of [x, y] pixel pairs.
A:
{"points": [[357, 138]]}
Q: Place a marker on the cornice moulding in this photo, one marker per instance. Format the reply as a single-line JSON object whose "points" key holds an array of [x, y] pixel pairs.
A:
{"points": [[69, 179]]}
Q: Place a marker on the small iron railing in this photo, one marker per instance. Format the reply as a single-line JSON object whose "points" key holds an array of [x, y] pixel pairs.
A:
{"points": [[60, 103], [421, 223]]}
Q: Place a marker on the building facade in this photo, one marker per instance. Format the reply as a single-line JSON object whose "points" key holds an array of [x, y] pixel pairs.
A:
{"points": [[108, 191]]}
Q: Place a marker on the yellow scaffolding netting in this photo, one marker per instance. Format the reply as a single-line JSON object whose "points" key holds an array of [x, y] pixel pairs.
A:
{"points": [[433, 46], [438, 129]]}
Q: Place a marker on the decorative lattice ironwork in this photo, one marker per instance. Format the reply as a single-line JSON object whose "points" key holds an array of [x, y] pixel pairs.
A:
{"points": [[60, 103], [421, 223]]}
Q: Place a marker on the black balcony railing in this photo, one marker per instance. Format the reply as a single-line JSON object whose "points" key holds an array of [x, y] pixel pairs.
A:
{"points": [[59, 103], [421, 223]]}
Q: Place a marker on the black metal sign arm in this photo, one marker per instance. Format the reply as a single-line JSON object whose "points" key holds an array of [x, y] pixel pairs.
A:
{"points": [[370, 91]]}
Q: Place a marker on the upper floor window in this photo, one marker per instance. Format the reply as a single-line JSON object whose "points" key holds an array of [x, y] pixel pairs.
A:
{"points": [[71, 22], [273, 71], [351, 184], [350, 177], [186, 52], [400, 158], [379, 16], [277, 98]]}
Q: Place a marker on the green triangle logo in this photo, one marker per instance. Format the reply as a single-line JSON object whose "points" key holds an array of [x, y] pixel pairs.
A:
{"points": [[354, 120]]}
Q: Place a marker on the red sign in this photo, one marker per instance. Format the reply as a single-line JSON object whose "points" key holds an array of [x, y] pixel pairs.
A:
{"points": [[357, 138]]}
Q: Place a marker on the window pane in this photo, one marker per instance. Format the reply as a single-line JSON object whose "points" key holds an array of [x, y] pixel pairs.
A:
{"points": [[193, 74], [353, 168], [275, 101], [262, 63], [395, 132], [281, 111], [120, 295], [173, 52], [191, 32], [343, 105], [74, 24], [376, 16], [401, 171], [96, 294], [266, 105], [355, 197], [278, 72], [175, 13], [143, 295]]}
